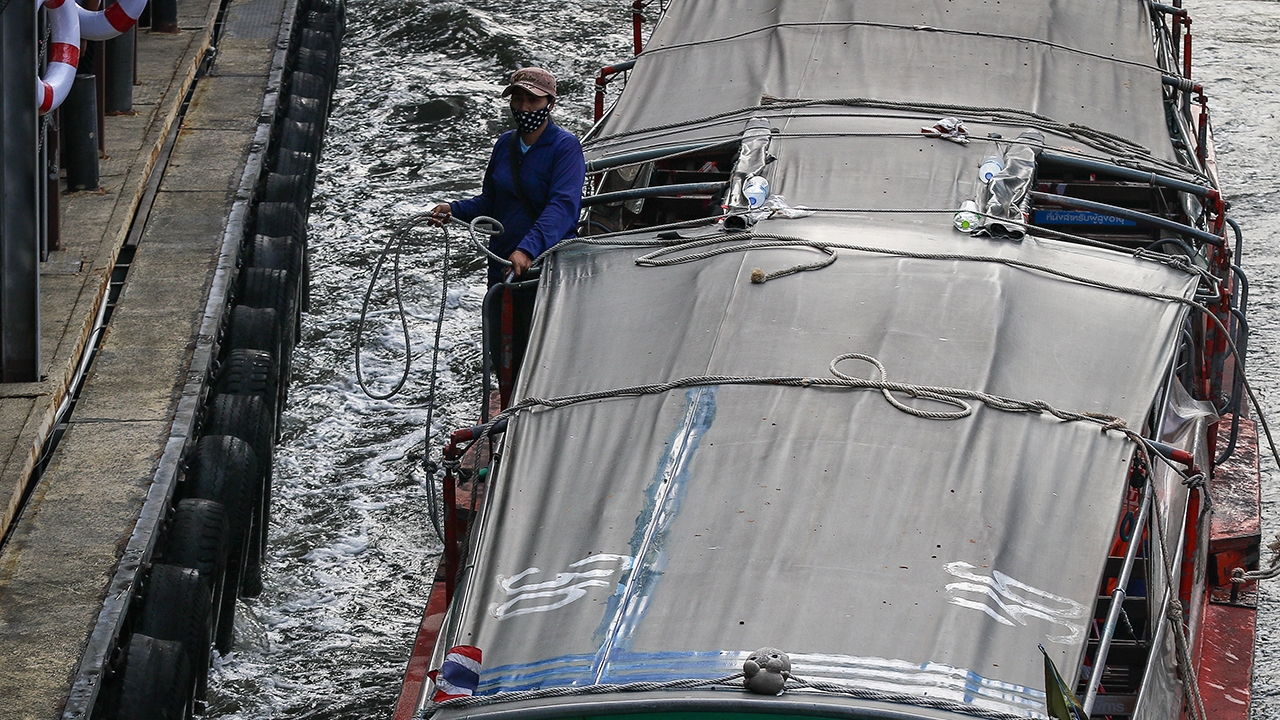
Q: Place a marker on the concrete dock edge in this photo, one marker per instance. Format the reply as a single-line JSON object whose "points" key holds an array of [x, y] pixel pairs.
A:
{"points": [[80, 538], [183, 431]]}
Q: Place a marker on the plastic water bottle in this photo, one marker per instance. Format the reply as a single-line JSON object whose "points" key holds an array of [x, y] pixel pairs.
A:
{"points": [[968, 218], [757, 191], [990, 167]]}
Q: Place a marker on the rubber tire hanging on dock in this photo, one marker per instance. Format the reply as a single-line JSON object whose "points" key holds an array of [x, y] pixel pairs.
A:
{"points": [[252, 372], [292, 162], [179, 607], [277, 253], [286, 188], [254, 329], [225, 469], [157, 680], [249, 418], [282, 219], [268, 288], [198, 538]]}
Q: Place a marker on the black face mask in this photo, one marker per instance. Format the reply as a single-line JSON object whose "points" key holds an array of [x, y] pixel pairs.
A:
{"points": [[530, 120]]}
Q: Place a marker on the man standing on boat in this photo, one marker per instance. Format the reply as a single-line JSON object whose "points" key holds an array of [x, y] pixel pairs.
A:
{"points": [[533, 186]]}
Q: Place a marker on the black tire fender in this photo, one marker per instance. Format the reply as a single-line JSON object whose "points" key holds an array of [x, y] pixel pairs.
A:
{"points": [[301, 136], [157, 682], [292, 162], [310, 85], [199, 539], [248, 418], [305, 109], [251, 372], [254, 329], [225, 469], [279, 219], [178, 607], [290, 189], [267, 288]]}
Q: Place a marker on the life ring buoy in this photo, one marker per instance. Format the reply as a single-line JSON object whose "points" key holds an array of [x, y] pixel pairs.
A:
{"points": [[109, 23], [64, 54]]}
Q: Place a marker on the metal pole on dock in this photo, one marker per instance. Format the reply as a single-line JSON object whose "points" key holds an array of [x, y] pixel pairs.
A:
{"points": [[80, 141], [121, 53], [19, 196]]}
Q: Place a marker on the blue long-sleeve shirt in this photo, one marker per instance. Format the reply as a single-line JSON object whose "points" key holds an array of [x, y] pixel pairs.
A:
{"points": [[552, 171]]}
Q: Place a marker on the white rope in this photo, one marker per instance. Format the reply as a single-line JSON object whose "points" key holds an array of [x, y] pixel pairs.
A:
{"points": [[482, 225], [1240, 575], [1190, 684], [955, 397]]}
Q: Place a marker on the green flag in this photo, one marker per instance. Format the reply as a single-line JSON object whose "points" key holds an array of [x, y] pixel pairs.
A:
{"points": [[1059, 699]]}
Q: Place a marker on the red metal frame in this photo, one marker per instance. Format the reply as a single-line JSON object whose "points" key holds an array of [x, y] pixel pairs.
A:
{"points": [[415, 677], [606, 76], [637, 17], [1224, 642]]}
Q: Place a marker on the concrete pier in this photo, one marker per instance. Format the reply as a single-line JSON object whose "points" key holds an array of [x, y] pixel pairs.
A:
{"points": [[171, 185]]}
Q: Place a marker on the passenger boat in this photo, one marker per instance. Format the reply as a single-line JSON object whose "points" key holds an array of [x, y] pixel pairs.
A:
{"points": [[899, 366]]}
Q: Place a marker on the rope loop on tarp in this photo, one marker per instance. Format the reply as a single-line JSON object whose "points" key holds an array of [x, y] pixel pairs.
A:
{"points": [[956, 397], [965, 409], [691, 250]]}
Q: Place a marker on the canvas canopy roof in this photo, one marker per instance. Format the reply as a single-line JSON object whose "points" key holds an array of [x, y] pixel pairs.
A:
{"points": [[1089, 63], [668, 535]]}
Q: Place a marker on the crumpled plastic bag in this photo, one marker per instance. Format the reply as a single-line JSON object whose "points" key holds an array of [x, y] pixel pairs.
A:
{"points": [[775, 206], [948, 128]]}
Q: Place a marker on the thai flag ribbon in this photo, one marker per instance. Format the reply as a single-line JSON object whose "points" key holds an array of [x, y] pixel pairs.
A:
{"points": [[459, 676]]}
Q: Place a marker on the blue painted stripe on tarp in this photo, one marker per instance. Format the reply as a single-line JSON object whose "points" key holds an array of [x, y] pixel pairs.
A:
{"points": [[923, 679], [624, 666], [1079, 217], [626, 608]]}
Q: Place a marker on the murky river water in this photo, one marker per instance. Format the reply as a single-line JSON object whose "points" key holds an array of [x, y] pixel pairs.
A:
{"points": [[352, 552]]}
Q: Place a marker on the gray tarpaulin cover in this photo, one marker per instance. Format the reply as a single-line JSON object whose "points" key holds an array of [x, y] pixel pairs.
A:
{"points": [[667, 536]]}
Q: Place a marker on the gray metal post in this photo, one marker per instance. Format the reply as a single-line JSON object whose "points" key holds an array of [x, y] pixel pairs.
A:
{"points": [[19, 196]]}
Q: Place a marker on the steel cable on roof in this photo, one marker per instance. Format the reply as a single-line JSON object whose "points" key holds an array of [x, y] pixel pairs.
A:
{"points": [[899, 26], [773, 241]]}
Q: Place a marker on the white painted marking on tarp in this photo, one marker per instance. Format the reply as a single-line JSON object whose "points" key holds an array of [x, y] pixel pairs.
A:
{"points": [[566, 586], [999, 601]]}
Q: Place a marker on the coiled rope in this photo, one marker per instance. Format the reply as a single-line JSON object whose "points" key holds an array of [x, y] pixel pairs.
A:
{"points": [[394, 247]]}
